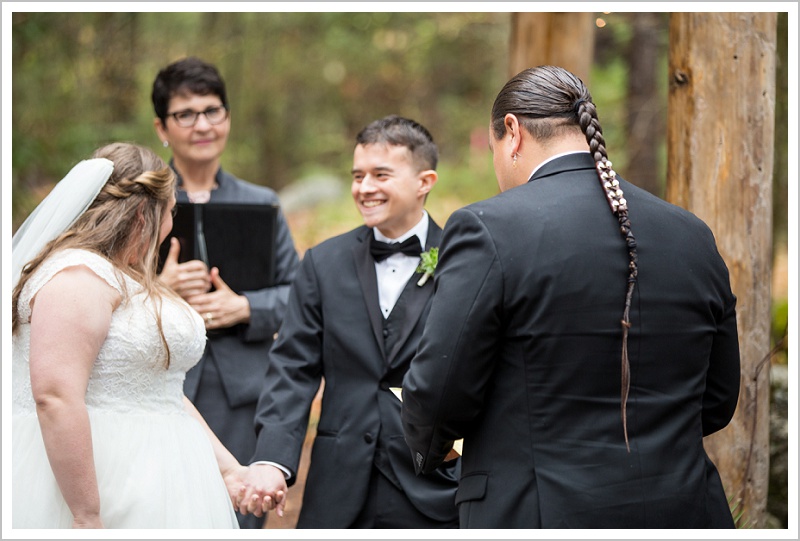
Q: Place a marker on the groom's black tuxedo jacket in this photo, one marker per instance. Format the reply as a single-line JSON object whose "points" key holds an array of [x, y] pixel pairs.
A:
{"points": [[333, 329], [521, 357]]}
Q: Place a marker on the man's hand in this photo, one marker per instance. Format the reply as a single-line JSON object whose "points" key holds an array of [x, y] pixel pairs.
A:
{"points": [[264, 489], [222, 307], [186, 279]]}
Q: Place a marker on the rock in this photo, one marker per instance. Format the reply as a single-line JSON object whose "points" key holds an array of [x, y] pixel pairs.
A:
{"points": [[310, 192]]}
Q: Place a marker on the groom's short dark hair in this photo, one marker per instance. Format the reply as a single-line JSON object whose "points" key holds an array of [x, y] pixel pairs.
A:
{"points": [[399, 131]]}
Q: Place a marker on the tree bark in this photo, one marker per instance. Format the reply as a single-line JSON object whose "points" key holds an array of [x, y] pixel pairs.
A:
{"points": [[720, 139], [560, 39], [645, 120]]}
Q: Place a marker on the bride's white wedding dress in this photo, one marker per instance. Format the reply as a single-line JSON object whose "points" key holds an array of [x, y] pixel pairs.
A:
{"points": [[155, 465]]}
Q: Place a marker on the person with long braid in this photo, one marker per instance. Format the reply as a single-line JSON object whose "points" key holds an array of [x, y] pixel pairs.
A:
{"points": [[582, 337]]}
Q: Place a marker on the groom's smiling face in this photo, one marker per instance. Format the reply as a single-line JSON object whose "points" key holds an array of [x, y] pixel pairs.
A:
{"points": [[387, 188]]}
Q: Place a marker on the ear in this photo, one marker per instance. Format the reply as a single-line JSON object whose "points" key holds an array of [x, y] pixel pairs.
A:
{"points": [[513, 128], [427, 180], [161, 130]]}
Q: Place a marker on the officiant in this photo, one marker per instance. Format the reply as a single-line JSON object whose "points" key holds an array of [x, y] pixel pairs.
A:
{"points": [[193, 120]]}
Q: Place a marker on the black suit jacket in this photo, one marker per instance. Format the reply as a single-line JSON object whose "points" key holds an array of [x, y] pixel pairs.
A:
{"points": [[521, 357], [333, 330]]}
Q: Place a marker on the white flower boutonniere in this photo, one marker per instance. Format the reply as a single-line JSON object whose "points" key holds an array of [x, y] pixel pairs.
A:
{"points": [[427, 265]]}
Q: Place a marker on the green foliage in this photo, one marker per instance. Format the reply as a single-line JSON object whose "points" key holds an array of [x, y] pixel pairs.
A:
{"points": [[300, 85], [739, 520], [780, 327], [468, 181], [609, 94]]}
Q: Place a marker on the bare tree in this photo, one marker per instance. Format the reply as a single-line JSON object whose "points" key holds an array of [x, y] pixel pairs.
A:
{"points": [[720, 139], [645, 112], [561, 39]]}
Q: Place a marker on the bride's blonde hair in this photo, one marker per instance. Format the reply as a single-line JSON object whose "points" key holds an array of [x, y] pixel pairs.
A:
{"points": [[122, 224]]}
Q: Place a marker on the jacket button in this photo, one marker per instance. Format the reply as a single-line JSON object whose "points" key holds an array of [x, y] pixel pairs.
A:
{"points": [[385, 333], [368, 437], [385, 385]]}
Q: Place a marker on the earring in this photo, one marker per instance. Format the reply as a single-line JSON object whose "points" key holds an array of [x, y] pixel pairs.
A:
{"points": [[166, 144], [514, 163]]}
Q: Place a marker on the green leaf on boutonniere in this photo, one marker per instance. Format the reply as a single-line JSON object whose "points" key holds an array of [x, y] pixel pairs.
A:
{"points": [[427, 264]]}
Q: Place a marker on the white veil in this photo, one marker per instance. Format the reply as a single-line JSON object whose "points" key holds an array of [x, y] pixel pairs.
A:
{"points": [[58, 211]]}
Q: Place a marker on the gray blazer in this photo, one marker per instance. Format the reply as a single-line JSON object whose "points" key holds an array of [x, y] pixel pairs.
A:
{"points": [[241, 355]]}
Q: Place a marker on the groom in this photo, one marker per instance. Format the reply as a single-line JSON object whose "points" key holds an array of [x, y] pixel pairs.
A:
{"points": [[355, 314]]}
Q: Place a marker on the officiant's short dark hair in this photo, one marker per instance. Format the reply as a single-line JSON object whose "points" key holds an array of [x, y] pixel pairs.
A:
{"points": [[399, 131], [189, 75]]}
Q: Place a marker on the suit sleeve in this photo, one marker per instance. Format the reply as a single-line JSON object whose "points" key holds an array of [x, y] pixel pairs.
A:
{"points": [[267, 306], [724, 373], [444, 388], [294, 373]]}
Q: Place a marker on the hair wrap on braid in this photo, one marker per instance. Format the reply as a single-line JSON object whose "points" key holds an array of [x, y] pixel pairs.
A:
{"points": [[538, 96], [587, 116]]}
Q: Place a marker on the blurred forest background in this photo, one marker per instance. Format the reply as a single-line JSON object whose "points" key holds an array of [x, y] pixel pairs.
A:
{"points": [[301, 86]]}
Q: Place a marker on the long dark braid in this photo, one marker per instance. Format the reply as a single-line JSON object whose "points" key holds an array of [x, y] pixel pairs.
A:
{"points": [[547, 100], [590, 125]]}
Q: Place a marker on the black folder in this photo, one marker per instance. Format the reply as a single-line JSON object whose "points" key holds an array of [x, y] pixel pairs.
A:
{"points": [[237, 238]]}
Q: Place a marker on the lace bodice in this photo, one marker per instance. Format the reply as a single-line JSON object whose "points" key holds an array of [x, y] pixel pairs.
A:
{"points": [[129, 374]]}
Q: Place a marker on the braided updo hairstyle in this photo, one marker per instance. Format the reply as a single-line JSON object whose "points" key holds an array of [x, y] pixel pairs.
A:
{"points": [[122, 224], [549, 101]]}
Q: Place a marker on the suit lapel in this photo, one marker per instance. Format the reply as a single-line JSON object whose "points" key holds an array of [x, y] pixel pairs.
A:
{"points": [[416, 297], [365, 268]]}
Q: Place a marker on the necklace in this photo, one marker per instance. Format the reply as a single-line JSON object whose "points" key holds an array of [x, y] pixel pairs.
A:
{"points": [[200, 196]]}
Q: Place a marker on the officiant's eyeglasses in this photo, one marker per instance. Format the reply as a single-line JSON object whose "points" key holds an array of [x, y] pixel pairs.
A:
{"points": [[188, 118]]}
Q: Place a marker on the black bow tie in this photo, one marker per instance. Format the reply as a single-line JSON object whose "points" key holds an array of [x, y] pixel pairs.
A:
{"points": [[382, 250]]}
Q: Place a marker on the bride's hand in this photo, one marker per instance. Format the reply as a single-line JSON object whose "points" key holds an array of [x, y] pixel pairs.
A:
{"points": [[234, 478], [264, 490]]}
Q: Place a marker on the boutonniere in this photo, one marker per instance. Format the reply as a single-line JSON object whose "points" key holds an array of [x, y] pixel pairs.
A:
{"points": [[427, 265]]}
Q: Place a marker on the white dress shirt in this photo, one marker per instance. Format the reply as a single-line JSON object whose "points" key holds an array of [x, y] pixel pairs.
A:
{"points": [[551, 158], [395, 271]]}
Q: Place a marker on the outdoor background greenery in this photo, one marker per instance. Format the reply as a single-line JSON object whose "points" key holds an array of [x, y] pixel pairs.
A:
{"points": [[301, 85]]}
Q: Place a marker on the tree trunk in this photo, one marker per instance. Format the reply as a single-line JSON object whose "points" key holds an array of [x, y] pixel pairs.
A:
{"points": [[560, 39], [645, 119], [720, 138]]}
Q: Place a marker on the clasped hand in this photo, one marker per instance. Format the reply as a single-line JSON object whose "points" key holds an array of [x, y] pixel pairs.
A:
{"points": [[261, 489]]}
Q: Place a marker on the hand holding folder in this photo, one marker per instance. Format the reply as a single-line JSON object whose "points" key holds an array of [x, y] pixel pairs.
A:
{"points": [[237, 238]]}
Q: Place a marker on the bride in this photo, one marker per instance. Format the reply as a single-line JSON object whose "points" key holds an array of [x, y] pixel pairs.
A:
{"points": [[102, 435]]}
